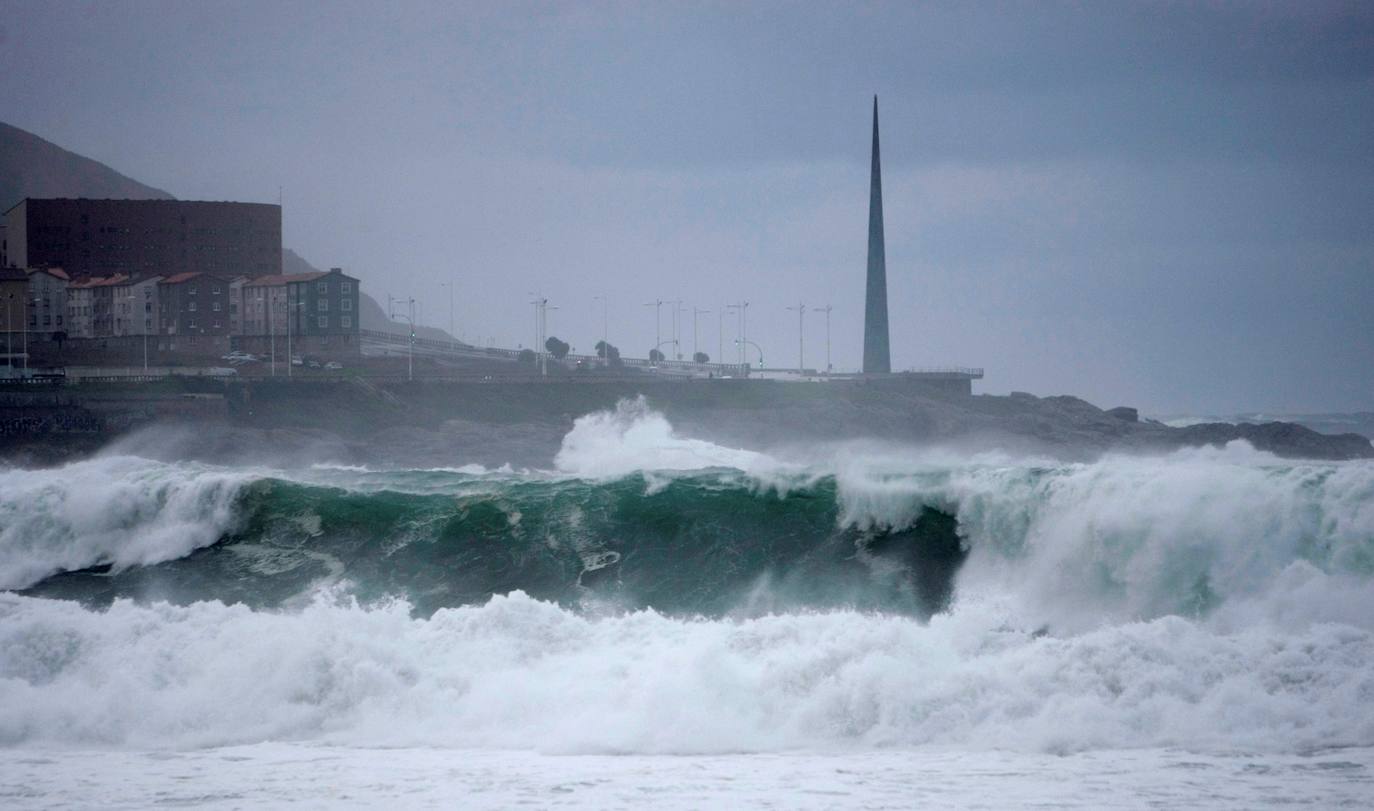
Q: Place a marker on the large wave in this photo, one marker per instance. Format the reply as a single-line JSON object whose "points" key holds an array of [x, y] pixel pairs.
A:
{"points": [[656, 593]]}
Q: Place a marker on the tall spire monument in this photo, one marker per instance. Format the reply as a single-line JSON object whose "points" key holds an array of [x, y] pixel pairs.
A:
{"points": [[877, 359]]}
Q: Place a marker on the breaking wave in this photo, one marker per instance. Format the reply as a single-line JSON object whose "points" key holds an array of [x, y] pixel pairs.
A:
{"points": [[656, 593]]}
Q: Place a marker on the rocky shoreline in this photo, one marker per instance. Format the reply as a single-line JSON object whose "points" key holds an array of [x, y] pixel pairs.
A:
{"points": [[522, 423]]}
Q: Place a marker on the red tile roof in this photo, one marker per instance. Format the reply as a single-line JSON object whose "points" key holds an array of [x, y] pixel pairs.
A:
{"points": [[57, 273], [178, 278], [98, 281]]}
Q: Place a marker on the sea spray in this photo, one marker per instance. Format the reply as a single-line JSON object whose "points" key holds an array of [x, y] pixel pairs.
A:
{"points": [[118, 511], [519, 673]]}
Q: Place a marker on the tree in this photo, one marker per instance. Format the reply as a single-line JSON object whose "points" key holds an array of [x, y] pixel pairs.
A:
{"points": [[559, 349], [526, 356], [609, 353], [701, 357], [655, 356]]}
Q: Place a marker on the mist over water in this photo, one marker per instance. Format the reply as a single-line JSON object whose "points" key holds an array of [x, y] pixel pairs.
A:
{"points": [[654, 594]]}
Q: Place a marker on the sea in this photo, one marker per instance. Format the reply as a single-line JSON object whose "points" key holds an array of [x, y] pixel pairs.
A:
{"points": [[659, 621]]}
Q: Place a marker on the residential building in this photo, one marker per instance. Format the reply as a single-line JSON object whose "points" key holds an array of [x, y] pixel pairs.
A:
{"points": [[194, 304], [80, 302], [48, 299], [136, 306], [14, 299], [314, 304], [139, 237]]}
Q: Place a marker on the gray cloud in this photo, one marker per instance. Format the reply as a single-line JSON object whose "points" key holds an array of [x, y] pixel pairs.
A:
{"points": [[1164, 205]]}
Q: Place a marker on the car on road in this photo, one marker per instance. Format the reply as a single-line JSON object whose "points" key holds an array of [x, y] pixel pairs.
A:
{"points": [[334, 366]]}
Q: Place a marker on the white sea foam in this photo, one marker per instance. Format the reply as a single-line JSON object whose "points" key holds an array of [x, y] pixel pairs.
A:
{"points": [[518, 673], [1138, 537], [116, 510], [633, 438]]}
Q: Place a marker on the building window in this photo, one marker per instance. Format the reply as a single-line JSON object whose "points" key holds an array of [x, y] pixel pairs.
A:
{"points": [[321, 304], [346, 321], [215, 306], [323, 287], [323, 321], [191, 307], [344, 289], [346, 305], [215, 290]]}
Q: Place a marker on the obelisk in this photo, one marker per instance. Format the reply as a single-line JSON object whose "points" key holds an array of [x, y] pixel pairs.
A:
{"points": [[877, 359]]}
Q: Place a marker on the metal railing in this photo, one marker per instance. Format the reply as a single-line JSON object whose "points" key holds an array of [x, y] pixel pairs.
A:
{"points": [[460, 349]]}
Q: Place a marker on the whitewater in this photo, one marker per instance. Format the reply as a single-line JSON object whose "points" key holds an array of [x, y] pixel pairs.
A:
{"points": [[656, 619]]}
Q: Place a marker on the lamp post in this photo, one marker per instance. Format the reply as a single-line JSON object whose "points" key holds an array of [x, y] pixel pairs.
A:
{"points": [[696, 312], [743, 309], [541, 328], [677, 329], [826, 309], [271, 327], [657, 304], [801, 332], [744, 345], [9, 332], [410, 318], [24, 317]]}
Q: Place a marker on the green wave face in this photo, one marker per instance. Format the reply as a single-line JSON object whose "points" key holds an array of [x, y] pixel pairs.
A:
{"points": [[707, 542]]}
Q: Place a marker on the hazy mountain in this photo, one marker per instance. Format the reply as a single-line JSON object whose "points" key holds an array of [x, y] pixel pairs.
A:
{"points": [[33, 167]]}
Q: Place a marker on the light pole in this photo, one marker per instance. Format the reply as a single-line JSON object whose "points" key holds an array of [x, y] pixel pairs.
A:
{"points": [[289, 309], [677, 329], [696, 312], [9, 332], [720, 337], [801, 332], [744, 345], [25, 318], [410, 317], [826, 309], [657, 304], [743, 309], [541, 328]]}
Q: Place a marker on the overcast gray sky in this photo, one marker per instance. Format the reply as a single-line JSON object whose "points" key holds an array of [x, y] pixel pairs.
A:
{"points": [[1162, 205]]}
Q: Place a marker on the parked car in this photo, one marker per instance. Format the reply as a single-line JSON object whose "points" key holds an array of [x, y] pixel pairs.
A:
{"points": [[334, 366], [297, 360]]}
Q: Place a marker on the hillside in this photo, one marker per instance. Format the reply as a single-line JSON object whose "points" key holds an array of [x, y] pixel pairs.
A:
{"points": [[33, 167]]}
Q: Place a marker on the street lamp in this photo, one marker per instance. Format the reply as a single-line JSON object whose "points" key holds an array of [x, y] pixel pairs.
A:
{"points": [[696, 312], [801, 332], [9, 332], [826, 309], [657, 304], [743, 309], [744, 345], [410, 317]]}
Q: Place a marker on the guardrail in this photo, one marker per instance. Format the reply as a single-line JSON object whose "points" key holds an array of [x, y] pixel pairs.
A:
{"points": [[460, 349]]}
